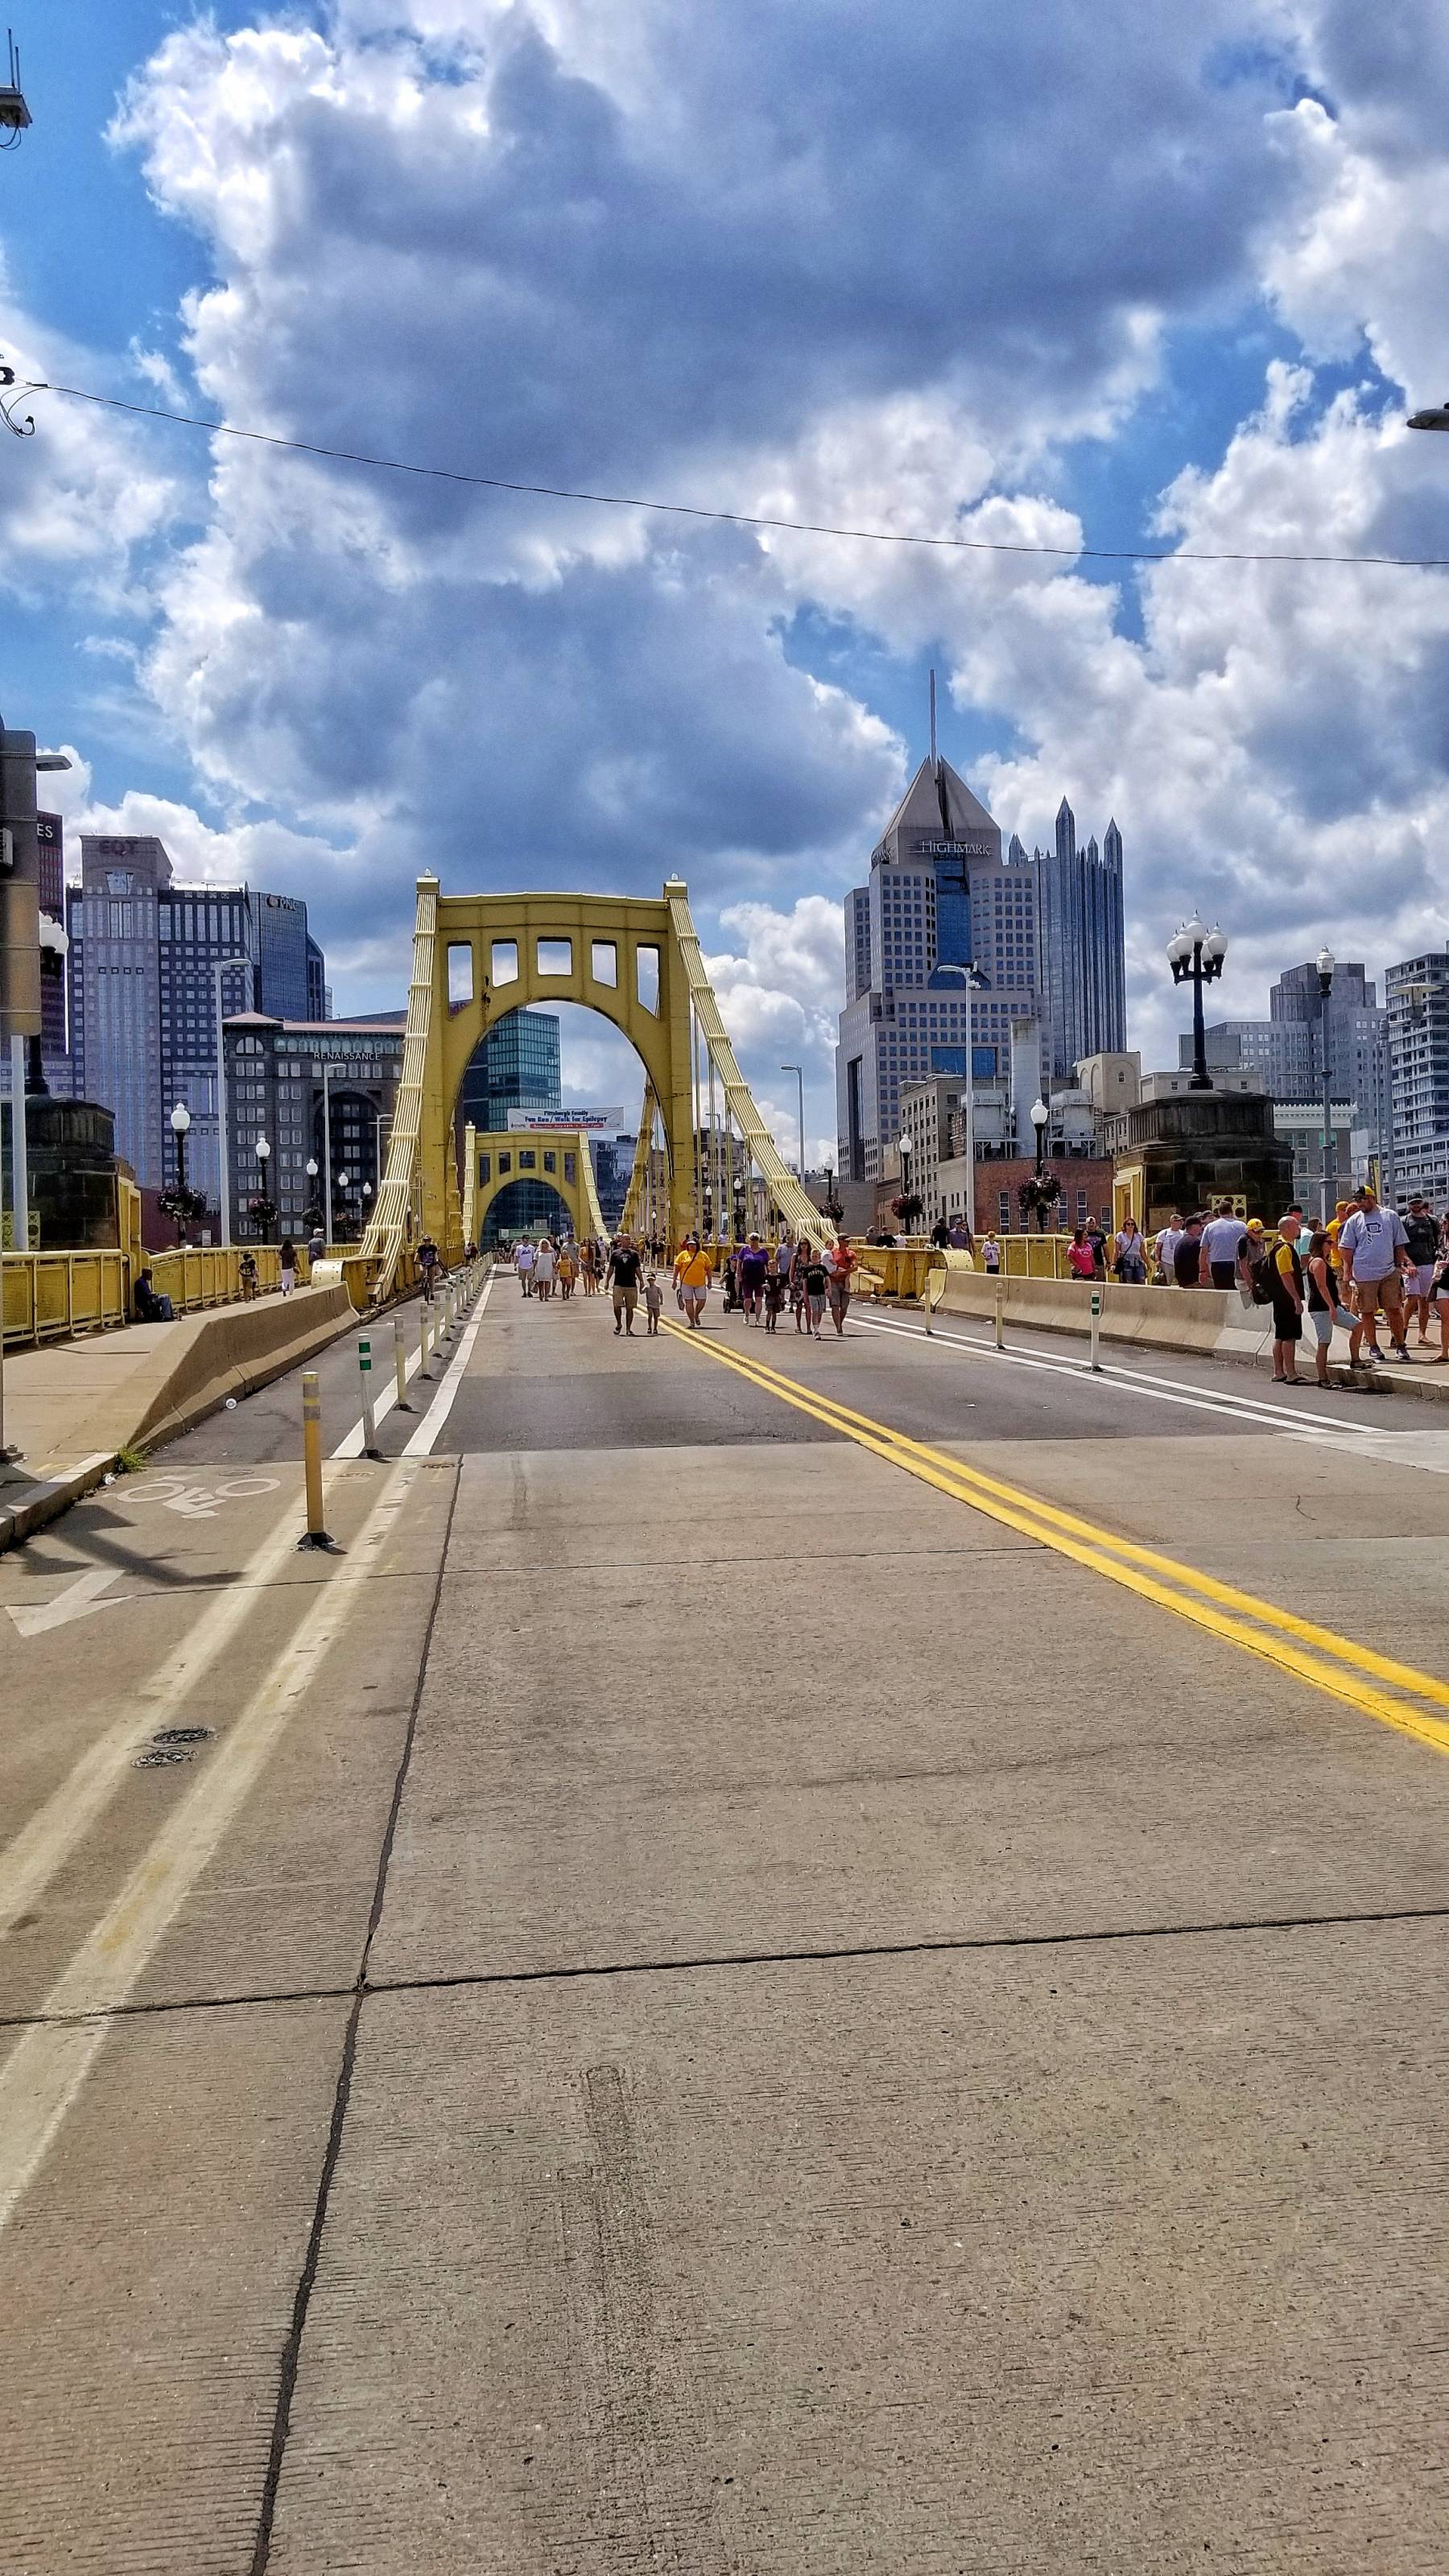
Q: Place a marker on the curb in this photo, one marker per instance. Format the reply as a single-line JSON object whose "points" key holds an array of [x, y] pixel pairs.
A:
{"points": [[54, 1495]]}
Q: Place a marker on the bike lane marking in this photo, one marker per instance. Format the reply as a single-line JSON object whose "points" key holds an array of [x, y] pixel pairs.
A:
{"points": [[46, 2069]]}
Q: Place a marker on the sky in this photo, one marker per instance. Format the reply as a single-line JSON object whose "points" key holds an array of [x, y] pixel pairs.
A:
{"points": [[1105, 277]]}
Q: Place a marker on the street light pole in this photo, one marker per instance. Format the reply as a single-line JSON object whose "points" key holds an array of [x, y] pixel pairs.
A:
{"points": [[1325, 963], [904, 1149], [1196, 955], [263, 1153], [222, 967], [1040, 1114], [180, 1124], [798, 1072]]}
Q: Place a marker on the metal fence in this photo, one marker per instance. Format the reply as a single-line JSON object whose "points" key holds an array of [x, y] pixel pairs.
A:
{"points": [[49, 1295]]}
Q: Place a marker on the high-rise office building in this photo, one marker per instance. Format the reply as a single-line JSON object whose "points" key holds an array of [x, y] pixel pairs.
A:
{"points": [[516, 1066], [941, 958], [50, 834], [144, 955], [319, 991], [1286, 1050], [1417, 996], [1081, 943], [308, 1087]]}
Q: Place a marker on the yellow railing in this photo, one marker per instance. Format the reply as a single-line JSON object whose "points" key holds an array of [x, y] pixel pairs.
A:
{"points": [[48, 1295], [900, 1269]]}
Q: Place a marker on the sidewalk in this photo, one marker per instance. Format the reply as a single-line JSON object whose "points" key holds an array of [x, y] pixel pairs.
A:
{"points": [[71, 1406]]}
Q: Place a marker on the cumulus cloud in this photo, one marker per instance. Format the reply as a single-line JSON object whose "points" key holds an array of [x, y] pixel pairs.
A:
{"points": [[902, 269]]}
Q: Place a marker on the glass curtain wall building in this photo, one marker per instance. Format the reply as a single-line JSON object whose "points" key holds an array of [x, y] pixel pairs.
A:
{"points": [[516, 1066]]}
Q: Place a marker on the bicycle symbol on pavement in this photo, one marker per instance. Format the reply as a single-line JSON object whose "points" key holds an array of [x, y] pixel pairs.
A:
{"points": [[200, 1502]]}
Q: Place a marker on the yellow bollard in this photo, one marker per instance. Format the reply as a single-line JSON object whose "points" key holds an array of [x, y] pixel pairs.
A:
{"points": [[315, 1534]]}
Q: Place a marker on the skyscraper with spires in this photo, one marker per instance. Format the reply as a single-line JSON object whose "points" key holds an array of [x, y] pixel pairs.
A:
{"points": [[1081, 944]]}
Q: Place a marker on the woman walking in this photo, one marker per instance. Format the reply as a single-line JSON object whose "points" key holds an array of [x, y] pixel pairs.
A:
{"points": [[1081, 1259], [544, 1264], [840, 1263], [691, 1278], [799, 1264], [289, 1268]]}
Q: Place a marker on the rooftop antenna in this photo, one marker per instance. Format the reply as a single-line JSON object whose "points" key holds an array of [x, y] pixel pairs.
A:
{"points": [[933, 724], [14, 114]]}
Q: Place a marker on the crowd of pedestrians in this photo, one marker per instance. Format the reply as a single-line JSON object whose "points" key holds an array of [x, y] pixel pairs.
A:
{"points": [[759, 1281], [1368, 1262]]}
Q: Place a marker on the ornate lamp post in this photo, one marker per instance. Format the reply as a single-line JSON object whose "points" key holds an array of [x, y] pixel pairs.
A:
{"points": [[905, 1149], [1040, 1115], [180, 1129], [1325, 964], [1196, 955], [343, 1185], [263, 1154]]}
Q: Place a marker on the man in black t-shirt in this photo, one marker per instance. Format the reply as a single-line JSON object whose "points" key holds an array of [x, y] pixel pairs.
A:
{"points": [[1421, 1235], [623, 1276]]}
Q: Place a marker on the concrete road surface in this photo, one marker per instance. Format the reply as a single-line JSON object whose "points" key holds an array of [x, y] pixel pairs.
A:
{"points": [[796, 1958]]}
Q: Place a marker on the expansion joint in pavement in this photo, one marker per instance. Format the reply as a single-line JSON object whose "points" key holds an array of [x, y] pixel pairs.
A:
{"points": [[365, 1990]]}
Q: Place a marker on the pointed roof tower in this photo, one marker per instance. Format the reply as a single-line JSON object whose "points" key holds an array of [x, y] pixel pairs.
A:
{"points": [[939, 806], [1066, 831], [1112, 847]]}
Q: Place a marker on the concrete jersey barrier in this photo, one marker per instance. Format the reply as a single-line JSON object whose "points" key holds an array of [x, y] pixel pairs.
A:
{"points": [[1213, 1321], [189, 1367]]}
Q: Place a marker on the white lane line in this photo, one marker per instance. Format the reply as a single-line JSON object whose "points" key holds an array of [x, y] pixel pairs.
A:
{"points": [[350, 1445], [1247, 1409], [424, 1439], [30, 1860], [44, 2073]]}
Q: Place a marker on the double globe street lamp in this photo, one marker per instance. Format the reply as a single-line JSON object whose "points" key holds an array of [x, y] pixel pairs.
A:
{"points": [[1196, 955]]}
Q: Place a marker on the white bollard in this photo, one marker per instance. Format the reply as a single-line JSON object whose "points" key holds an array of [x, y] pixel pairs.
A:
{"points": [[1000, 1304], [400, 1358], [1095, 1326], [423, 1318]]}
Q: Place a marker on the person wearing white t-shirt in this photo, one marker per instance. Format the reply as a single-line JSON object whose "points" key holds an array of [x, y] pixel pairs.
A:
{"points": [[1373, 1253], [1225, 1246], [1166, 1246], [523, 1264]]}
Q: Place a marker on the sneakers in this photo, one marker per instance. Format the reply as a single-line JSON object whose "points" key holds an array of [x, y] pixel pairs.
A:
{"points": [[1401, 1352]]}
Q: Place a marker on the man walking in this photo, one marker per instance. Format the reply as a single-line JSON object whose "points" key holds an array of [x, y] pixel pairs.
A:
{"points": [[1373, 1254], [523, 1264], [623, 1276], [1187, 1254]]}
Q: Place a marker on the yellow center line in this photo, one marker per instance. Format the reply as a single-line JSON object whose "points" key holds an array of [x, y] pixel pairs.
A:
{"points": [[1201, 1599]]}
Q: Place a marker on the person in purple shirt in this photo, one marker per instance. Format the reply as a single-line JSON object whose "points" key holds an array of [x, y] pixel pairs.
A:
{"points": [[754, 1270]]}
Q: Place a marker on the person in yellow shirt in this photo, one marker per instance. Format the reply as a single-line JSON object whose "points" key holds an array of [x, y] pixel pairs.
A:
{"points": [[1286, 1281], [691, 1278]]}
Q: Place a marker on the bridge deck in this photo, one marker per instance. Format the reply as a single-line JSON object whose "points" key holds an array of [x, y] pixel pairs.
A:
{"points": [[882, 2046]]}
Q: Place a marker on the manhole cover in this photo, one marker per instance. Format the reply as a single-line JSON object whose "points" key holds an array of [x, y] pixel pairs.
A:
{"points": [[182, 1735], [160, 1753]]}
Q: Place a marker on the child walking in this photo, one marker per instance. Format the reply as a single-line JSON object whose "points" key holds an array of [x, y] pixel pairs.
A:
{"points": [[653, 1301]]}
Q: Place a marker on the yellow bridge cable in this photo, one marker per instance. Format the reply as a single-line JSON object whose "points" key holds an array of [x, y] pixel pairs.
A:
{"points": [[788, 1193], [389, 1228]]}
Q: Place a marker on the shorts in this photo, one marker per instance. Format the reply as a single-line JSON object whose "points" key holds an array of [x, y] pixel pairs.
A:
{"points": [[1323, 1323], [696, 1290], [625, 1300], [1423, 1278], [1370, 1294], [839, 1296], [1287, 1322], [817, 1308]]}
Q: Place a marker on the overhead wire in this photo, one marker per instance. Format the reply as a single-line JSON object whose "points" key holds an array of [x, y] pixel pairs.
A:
{"points": [[728, 518]]}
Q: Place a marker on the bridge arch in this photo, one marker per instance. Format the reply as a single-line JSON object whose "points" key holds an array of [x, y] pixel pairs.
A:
{"points": [[551, 1158], [636, 961]]}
